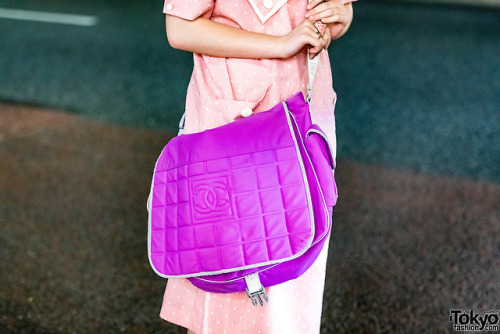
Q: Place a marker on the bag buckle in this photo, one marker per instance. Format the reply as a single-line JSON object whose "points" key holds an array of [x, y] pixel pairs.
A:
{"points": [[309, 93], [255, 297], [255, 290]]}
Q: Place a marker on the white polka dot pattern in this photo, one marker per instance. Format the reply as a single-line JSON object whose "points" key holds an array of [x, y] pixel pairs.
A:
{"points": [[294, 307]]}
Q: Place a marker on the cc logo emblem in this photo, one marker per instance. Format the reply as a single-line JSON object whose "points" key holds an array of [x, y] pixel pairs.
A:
{"points": [[211, 198]]}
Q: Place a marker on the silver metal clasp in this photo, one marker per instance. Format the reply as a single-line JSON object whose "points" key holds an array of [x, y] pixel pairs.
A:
{"points": [[255, 290], [182, 122], [309, 93], [256, 297]]}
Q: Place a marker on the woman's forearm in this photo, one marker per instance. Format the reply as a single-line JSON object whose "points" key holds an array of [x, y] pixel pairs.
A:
{"points": [[210, 38]]}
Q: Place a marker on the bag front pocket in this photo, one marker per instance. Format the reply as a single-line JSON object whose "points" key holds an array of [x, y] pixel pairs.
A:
{"points": [[319, 150]]}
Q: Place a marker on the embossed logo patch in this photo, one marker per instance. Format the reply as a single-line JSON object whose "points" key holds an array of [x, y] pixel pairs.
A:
{"points": [[210, 198]]}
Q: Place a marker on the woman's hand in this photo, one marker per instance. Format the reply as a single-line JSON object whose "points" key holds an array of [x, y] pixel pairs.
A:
{"points": [[306, 34], [335, 13]]}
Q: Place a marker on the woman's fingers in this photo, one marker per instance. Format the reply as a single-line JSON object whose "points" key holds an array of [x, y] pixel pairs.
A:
{"points": [[334, 19], [305, 35], [327, 12], [328, 15], [317, 43], [313, 38], [312, 27], [313, 3], [309, 24], [311, 14]]}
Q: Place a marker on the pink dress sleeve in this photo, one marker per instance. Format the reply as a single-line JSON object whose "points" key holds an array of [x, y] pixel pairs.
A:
{"points": [[188, 10]]}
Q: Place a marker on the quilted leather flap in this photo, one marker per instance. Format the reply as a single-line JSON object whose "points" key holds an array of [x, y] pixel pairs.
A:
{"points": [[224, 200]]}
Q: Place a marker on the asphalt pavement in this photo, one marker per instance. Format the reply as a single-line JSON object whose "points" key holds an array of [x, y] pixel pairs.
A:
{"points": [[419, 87]]}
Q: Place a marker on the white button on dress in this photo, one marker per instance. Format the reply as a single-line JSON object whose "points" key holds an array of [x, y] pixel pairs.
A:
{"points": [[245, 112], [268, 4], [170, 6]]}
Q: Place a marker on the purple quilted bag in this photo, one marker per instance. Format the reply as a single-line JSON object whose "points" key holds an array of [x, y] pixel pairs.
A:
{"points": [[243, 206]]}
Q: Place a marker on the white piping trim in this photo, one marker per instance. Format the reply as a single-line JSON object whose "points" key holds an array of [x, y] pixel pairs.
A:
{"points": [[319, 132], [149, 207], [264, 18], [327, 213], [289, 116]]}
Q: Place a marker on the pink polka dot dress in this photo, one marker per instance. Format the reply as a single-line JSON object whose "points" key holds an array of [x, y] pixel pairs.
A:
{"points": [[220, 88]]}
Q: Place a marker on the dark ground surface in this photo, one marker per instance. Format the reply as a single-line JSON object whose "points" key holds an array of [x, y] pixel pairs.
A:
{"points": [[417, 227], [406, 247]]}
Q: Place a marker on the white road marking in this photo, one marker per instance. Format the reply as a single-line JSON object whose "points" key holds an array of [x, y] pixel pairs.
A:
{"points": [[29, 15]]}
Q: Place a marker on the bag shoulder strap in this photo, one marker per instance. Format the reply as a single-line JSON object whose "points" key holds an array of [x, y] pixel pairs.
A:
{"points": [[312, 66]]}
